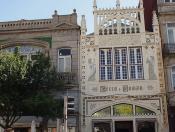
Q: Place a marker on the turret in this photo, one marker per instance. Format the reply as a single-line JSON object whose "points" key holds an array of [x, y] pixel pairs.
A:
{"points": [[83, 25], [118, 3]]}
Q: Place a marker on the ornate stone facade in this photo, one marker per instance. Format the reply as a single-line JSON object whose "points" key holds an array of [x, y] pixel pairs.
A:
{"points": [[61, 32], [166, 11], [121, 71]]}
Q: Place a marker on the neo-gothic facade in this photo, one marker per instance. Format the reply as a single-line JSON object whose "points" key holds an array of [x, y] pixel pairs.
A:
{"points": [[121, 71], [166, 9], [59, 37]]}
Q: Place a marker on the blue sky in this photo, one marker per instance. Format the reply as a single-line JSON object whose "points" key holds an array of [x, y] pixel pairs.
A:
{"points": [[42, 9]]}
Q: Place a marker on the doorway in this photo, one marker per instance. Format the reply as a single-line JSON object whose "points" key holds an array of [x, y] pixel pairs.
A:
{"points": [[123, 126], [146, 126], [102, 127]]}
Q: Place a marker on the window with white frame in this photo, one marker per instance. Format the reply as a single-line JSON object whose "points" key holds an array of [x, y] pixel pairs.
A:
{"points": [[118, 67], [136, 66], [121, 70], [169, 1], [171, 33], [106, 71], [173, 77], [64, 60]]}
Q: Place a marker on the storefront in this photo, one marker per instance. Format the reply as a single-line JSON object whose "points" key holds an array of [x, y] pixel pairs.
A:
{"points": [[124, 118]]}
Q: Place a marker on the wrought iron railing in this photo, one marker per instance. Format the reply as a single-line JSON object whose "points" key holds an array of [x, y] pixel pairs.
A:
{"points": [[169, 48], [68, 77]]}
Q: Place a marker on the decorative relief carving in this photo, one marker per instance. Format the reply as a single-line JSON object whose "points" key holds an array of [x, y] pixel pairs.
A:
{"points": [[151, 68], [95, 105], [119, 40], [150, 38], [124, 88]]}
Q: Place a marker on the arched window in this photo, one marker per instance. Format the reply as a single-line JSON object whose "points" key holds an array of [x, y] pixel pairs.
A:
{"points": [[123, 110], [143, 111], [102, 113]]}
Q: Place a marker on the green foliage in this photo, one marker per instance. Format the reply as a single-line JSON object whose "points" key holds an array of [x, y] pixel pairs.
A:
{"points": [[12, 80], [26, 88]]}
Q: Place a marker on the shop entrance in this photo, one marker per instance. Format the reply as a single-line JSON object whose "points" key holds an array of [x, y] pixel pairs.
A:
{"points": [[102, 127], [123, 126], [145, 126]]}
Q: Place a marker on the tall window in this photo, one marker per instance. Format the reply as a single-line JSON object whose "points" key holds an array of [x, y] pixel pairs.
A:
{"points": [[171, 33], [64, 60], [121, 70], [169, 0], [118, 67], [173, 77], [106, 64], [136, 66]]}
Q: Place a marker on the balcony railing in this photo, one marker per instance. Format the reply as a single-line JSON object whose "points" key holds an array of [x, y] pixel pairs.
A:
{"points": [[68, 77], [169, 48]]}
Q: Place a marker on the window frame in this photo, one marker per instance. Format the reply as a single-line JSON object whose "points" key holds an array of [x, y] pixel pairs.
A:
{"points": [[172, 82], [168, 28], [64, 58], [121, 61], [170, 1], [127, 64], [105, 65], [136, 64]]}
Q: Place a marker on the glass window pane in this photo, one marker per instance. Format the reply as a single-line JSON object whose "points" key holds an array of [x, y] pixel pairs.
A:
{"points": [[173, 69], [143, 111], [102, 57], [102, 113], [124, 72], [173, 79], [61, 64], [139, 56], [102, 73], [132, 56], [109, 70], [123, 110], [64, 52], [109, 57], [171, 36], [117, 72], [117, 56], [133, 72], [124, 56], [67, 64], [140, 72]]}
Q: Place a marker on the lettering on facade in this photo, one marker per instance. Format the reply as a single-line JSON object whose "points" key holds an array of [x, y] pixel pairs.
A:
{"points": [[124, 88]]}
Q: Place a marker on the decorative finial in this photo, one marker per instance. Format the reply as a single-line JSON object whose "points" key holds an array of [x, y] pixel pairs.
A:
{"points": [[83, 25], [141, 3], [74, 10], [118, 3], [155, 18], [55, 12], [95, 4]]}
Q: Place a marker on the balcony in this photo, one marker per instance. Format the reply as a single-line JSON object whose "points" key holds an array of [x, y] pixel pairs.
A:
{"points": [[68, 78], [168, 48]]}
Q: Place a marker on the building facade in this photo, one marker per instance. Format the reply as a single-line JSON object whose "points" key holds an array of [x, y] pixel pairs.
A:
{"points": [[59, 36], [166, 10], [121, 71]]}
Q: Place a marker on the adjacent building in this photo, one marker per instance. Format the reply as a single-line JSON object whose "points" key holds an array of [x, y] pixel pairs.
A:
{"points": [[121, 70], [166, 11], [58, 36]]}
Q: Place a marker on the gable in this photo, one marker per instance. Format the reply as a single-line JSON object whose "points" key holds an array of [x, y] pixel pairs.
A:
{"points": [[66, 26]]}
